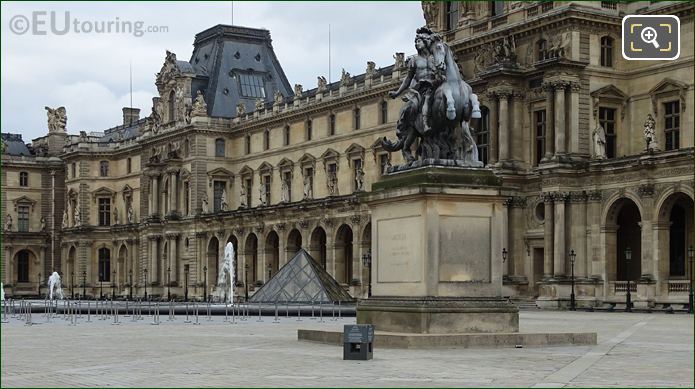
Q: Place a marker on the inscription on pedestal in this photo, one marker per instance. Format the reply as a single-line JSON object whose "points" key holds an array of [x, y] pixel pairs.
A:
{"points": [[464, 249], [399, 250]]}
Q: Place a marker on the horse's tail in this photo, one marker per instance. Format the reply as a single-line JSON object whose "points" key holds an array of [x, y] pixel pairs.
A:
{"points": [[390, 146]]}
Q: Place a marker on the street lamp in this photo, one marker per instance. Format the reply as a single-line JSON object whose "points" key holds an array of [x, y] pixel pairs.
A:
{"points": [[39, 285], [504, 255], [690, 291], [130, 282], [270, 269], [185, 280], [246, 281], [573, 256], [84, 283], [169, 283], [205, 285], [113, 286], [145, 284], [367, 261], [72, 283], [628, 296], [101, 286]]}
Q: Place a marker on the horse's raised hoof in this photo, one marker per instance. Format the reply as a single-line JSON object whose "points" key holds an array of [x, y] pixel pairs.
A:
{"points": [[451, 113], [476, 114]]}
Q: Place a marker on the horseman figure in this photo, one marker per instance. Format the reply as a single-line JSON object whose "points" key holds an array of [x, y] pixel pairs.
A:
{"points": [[439, 105]]}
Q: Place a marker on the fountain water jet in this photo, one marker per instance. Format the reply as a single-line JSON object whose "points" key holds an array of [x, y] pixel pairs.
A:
{"points": [[226, 277], [54, 283]]}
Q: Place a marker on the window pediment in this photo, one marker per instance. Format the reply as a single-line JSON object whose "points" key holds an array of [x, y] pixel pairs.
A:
{"points": [[611, 94], [285, 164], [355, 151], [103, 192], [24, 201], [219, 174], [665, 87], [265, 169], [246, 171], [307, 160]]}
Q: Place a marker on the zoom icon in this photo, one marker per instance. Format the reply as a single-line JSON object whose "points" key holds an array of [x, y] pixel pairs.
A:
{"points": [[651, 37]]}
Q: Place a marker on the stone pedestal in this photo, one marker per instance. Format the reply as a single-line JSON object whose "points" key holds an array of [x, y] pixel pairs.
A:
{"points": [[437, 239]]}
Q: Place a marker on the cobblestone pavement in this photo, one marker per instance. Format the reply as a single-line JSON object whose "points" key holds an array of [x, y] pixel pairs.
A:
{"points": [[633, 350]]}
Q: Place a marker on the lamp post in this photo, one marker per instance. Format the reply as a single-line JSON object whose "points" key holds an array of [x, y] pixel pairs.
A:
{"points": [[504, 255], [39, 284], [573, 256], [84, 283], [130, 282], [690, 286], [185, 290], [246, 281], [145, 283], [72, 283], [168, 283], [205, 285], [101, 286], [628, 296], [367, 261], [113, 286]]}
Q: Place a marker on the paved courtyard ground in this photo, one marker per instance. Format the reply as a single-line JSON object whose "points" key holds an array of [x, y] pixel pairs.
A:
{"points": [[636, 349]]}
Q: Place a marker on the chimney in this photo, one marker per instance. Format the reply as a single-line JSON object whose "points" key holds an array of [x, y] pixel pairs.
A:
{"points": [[130, 115]]}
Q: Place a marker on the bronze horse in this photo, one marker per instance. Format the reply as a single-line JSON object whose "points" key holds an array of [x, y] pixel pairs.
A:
{"points": [[453, 104]]}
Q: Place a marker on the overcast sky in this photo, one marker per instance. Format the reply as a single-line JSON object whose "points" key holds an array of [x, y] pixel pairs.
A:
{"points": [[88, 72]]}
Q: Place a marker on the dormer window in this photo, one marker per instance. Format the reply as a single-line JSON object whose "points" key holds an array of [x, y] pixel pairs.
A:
{"points": [[251, 85]]}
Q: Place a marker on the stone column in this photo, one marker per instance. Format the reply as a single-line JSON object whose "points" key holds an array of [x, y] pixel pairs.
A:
{"points": [[574, 117], [492, 148], [516, 236], [549, 128], [173, 257], [593, 219], [155, 196], [559, 238], [560, 128], [548, 236], [172, 192], [517, 129], [578, 231], [7, 266], [503, 128]]}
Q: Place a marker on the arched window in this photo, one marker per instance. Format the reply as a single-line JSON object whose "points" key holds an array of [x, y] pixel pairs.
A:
{"points": [[23, 179], [541, 50], [266, 139], [219, 147], [607, 51], [104, 264]]}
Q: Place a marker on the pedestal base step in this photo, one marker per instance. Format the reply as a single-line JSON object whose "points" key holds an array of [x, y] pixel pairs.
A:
{"points": [[471, 340]]}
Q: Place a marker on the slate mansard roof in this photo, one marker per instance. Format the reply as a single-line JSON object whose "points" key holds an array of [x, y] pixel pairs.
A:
{"points": [[15, 145]]}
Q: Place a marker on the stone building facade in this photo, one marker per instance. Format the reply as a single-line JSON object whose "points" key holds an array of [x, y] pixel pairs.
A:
{"points": [[232, 153]]}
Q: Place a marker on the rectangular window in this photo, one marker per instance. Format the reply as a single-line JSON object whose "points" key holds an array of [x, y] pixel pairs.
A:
{"points": [[251, 85], [129, 166], [539, 121], [672, 124], [384, 112], [357, 119], [104, 212], [331, 125], [482, 136], [266, 139], [219, 147], [74, 170], [452, 14], [217, 189], [496, 8], [286, 136], [23, 179], [249, 191], [23, 218], [266, 184], [247, 144], [288, 181], [606, 51], [309, 130], [104, 265], [23, 266], [104, 168], [606, 117]]}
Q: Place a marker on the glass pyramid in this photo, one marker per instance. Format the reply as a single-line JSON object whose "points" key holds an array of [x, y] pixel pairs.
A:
{"points": [[301, 280]]}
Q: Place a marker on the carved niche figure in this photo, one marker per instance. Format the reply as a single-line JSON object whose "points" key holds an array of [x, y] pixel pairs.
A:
{"points": [[285, 191], [187, 114], [115, 216], [599, 135], [322, 84], [400, 60], [200, 108], [65, 219], [505, 50], [308, 191], [298, 90], [204, 204], [558, 46], [345, 78], [359, 180], [278, 97], [224, 206], [371, 70], [169, 69], [57, 119], [263, 195], [180, 104], [650, 134], [240, 110], [242, 195], [77, 217], [8, 222], [155, 118], [131, 215], [260, 104], [332, 183]]}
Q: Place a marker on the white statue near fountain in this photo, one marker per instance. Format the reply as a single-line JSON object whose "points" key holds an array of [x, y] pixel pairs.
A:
{"points": [[226, 277], [54, 283], [2, 292]]}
